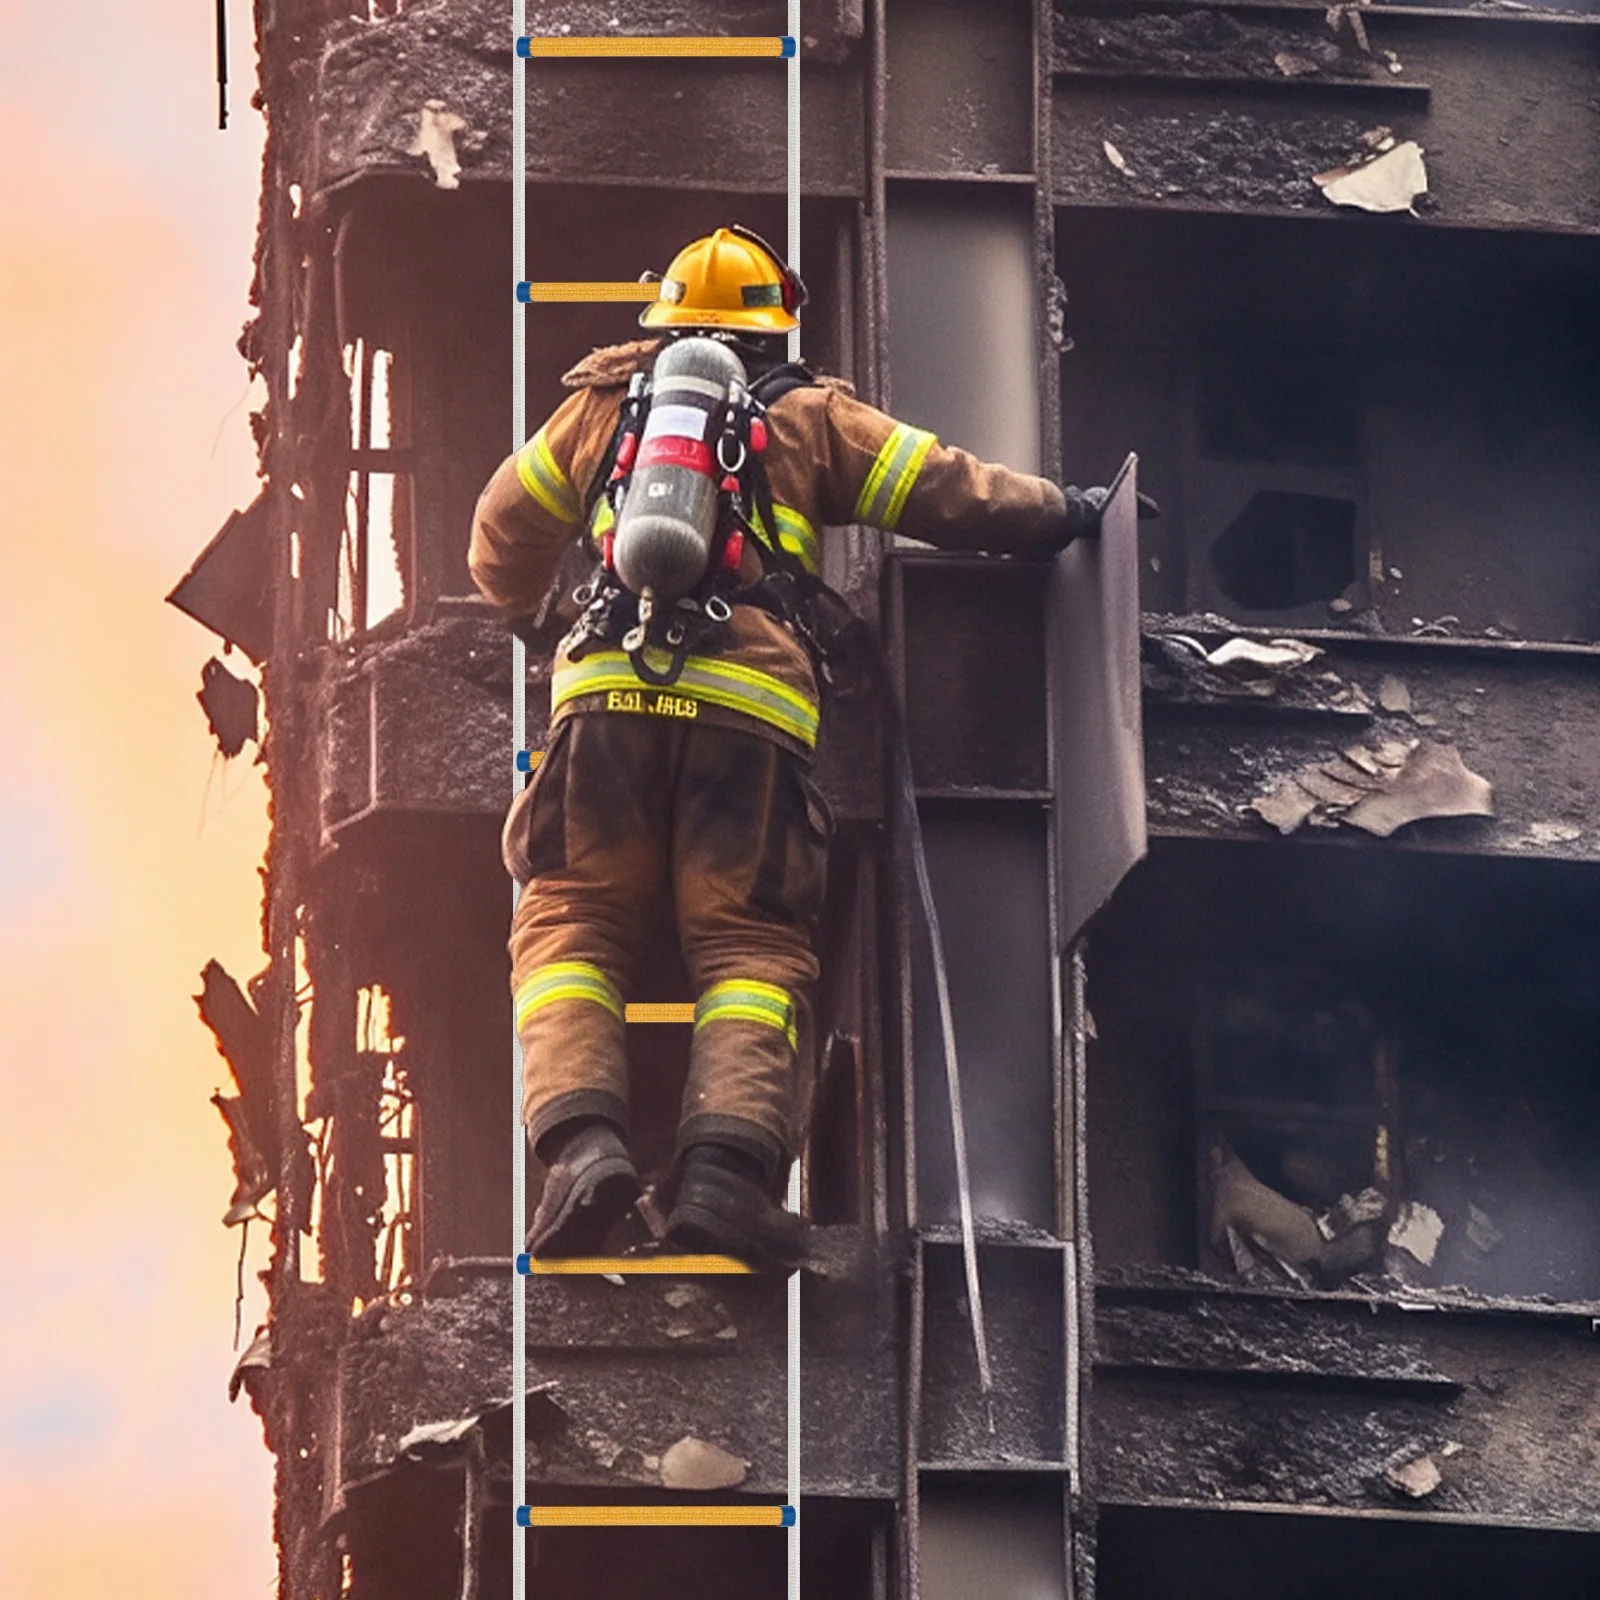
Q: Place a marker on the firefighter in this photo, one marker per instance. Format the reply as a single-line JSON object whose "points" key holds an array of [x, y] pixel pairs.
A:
{"points": [[694, 797]]}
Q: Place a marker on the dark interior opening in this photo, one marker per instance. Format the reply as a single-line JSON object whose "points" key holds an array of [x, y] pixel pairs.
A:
{"points": [[403, 1536], [1443, 380], [1211, 1555], [1285, 550], [1349, 1025]]}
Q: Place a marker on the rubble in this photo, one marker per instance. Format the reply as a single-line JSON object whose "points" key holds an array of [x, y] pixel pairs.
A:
{"points": [[1378, 788], [1206, 44], [1414, 1476], [1392, 182], [1433, 782], [437, 127], [1247, 1216], [1182, 671], [1417, 1230], [429, 1437], [694, 1464], [1541, 835], [1393, 694]]}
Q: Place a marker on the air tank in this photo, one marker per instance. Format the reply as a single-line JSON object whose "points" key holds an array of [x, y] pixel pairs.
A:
{"points": [[668, 517]]}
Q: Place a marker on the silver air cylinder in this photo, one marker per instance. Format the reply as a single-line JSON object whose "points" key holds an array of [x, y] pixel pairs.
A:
{"points": [[668, 517]]}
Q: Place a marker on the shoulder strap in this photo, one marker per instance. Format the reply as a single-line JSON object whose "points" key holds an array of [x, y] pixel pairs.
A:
{"points": [[766, 390], [635, 407], [774, 385]]}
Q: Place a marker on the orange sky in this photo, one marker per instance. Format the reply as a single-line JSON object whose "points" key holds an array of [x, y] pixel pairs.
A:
{"points": [[126, 224]]}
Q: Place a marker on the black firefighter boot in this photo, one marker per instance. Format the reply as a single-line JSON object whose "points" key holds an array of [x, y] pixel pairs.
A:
{"points": [[723, 1208], [589, 1188]]}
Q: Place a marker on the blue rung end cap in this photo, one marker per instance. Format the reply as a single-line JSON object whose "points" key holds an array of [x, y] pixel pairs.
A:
{"points": [[522, 1511], [788, 47], [524, 761], [788, 1516], [524, 293], [524, 52], [524, 1266]]}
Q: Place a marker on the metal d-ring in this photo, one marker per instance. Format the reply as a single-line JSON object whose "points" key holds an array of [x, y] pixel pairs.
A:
{"points": [[736, 465], [718, 609]]}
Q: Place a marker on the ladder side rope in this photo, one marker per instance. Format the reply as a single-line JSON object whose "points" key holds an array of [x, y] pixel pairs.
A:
{"points": [[519, 742], [792, 75]]}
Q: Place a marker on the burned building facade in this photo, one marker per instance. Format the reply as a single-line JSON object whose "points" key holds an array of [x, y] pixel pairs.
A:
{"points": [[1283, 1158]]}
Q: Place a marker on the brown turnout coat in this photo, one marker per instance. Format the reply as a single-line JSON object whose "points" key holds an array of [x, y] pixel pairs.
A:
{"points": [[831, 461]]}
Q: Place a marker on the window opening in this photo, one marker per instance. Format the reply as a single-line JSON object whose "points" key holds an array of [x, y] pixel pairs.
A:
{"points": [[1285, 550], [1293, 1139], [397, 1136], [375, 545]]}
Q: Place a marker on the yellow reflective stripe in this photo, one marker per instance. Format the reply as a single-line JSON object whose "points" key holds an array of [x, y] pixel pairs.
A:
{"points": [[566, 980], [893, 473], [605, 519], [795, 534], [903, 483], [798, 537], [545, 481], [719, 683], [747, 1000]]}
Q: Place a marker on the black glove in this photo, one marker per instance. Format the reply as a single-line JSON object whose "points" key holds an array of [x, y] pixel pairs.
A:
{"points": [[1084, 506]]}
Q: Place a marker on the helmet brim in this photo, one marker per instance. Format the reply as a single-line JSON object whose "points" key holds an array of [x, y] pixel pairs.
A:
{"points": [[749, 319]]}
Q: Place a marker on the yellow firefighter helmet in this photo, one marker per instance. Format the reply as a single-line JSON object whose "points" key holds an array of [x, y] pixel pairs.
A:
{"points": [[731, 279]]}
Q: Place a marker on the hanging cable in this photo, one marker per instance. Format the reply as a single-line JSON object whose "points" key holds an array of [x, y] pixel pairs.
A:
{"points": [[906, 789], [222, 63]]}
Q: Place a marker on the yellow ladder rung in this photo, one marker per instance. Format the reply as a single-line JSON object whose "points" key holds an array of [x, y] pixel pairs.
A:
{"points": [[661, 1011], [655, 1516], [580, 293], [634, 1266], [546, 46]]}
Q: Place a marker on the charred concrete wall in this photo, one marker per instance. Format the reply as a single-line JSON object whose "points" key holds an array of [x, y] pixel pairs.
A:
{"points": [[1288, 1221]]}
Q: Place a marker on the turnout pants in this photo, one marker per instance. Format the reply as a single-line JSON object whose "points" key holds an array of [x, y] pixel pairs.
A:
{"points": [[628, 816]]}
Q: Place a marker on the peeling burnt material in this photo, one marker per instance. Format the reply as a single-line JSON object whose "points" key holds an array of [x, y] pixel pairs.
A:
{"points": [[621, 1373], [1336, 1393], [1205, 116], [1262, 159], [374, 80], [245, 1042], [1209, 44], [231, 706], [1516, 716], [1270, 1339]]}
